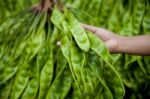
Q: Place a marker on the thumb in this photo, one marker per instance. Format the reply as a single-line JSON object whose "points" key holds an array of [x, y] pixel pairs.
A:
{"points": [[100, 32]]}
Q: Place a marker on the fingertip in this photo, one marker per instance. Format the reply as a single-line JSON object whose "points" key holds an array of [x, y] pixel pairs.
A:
{"points": [[83, 25], [90, 28]]}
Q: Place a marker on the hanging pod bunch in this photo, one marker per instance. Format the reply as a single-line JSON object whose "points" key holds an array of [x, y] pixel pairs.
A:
{"points": [[33, 66], [127, 18], [46, 54]]}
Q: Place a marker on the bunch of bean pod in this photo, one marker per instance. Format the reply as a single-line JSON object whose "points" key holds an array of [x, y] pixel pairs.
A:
{"points": [[128, 18], [33, 66], [46, 54]]}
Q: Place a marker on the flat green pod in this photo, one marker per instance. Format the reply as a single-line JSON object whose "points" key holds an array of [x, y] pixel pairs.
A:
{"points": [[56, 17], [5, 89], [20, 81], [65, 48], [78, 32], [33, 82], [99, 48], [98, 69], [77, 58], [46, 76], [60, 90]]}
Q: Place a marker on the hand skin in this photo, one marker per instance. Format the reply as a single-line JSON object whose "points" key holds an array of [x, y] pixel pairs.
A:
{"points": [[137, 45]]}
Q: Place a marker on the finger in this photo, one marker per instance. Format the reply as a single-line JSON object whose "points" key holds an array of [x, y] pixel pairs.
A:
{"points": [[97, 31], [100, 32], [90, 28]]}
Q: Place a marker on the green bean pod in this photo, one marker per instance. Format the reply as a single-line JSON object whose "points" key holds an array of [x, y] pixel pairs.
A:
{"points": [[146, 20], [97, 68], [56, 17], [46, 76], [32, 85], [8, 72], [21, 80], [6, 89], [88, 87], [42, 56], [113, 83], [76, 94], [99, 48], [78, 33], [114, 20], [61, 65], [138, 14], [11, 67], [21, 41], [65, 48], [104, 12], [127, 20], [77, 58], [60, 90], [36, 39], [147, 62]]}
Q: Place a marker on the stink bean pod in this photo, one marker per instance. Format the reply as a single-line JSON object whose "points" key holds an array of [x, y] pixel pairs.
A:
{"points": [[8, 72], [61, 65], [146, 20], [65, 48], [104, 12], [78, 33], [11, 67], [147, 62], [77, 61], [36, 39], [20, 82], [88, 86], [76, 94], [56, 17], [42, 56], [44, 51], [57, 92], [97, 68], [32, 85], [99, 48], [138, 14], [6, 89], [113, 82], [46, 76]]}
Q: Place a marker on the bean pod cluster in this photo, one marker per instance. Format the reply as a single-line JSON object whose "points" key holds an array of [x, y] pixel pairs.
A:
{"points": [[48, 54]]}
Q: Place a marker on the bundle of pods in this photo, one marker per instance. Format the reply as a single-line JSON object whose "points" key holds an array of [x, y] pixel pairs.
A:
{"points": [[48, 55]]}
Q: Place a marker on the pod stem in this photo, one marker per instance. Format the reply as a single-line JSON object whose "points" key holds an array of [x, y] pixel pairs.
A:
{"points": [[45, 5]]}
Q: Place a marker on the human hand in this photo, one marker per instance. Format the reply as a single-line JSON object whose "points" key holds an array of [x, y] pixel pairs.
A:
{"points": [[109, 38]]}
